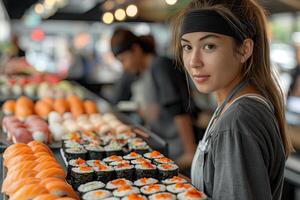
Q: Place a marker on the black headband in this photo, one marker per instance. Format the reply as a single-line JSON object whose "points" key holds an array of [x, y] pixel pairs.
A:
{"points": [[120, 48], [209, 21]]}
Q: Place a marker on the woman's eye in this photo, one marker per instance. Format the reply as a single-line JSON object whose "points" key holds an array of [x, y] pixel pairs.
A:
{"points": [[209, 47], [186, 47]]}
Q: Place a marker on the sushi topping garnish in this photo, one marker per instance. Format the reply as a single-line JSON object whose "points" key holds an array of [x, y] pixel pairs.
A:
{"points": [[166, 166], [147, 165], [141, 160], [102, 167], [123, 165], [134, 197], [154, 154], [79, 161], [133, 154], [99, 193], [152, 187], [194, 193], [176, 179], [183, 185], [164, 160], [163, 195], [143, 180], [124, 188], [85, 168], [97, 162], [115, 158], [118, 182]]}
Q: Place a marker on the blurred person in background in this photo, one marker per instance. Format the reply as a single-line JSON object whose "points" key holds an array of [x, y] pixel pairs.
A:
{"points": [[294, 89], [161, 91]]}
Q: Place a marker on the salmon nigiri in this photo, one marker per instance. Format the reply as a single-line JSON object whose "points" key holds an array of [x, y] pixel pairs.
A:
{"points": [[45, 158], [42, 109], [14, 187], [9, 107], [16, 176], [51, 179], [46, 165], [7, 155], [34, 144], [12, 148], [51, 172], [45, 197], [30, 164], [61, 105], [90, 107], [28, 192], [61, 189], [18, 159]]}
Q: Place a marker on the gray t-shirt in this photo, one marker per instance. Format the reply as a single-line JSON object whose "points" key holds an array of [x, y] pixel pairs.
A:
{"points": [[246, 159]]}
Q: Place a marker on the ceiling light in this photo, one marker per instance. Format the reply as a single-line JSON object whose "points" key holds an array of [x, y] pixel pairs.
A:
{"points": [[38, 8], [171, 2], [120, 14], [131, 10], [108, 18], [50, 2]]}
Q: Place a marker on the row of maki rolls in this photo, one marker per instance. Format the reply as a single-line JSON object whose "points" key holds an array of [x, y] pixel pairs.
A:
{"points": [[89, 146], [144, 188]]}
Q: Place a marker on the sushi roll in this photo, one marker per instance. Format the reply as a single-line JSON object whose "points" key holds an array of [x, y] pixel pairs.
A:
{"points": [[163, 160], [139, 161], [153, 155], [173, 180], [125, 171], [81, 175], [141, 149], [166, 171], [145, 181], [119, 162], [90, 186], [75, 152], [132, 156], [126, 190], [113, 149], [115, 184], [94, 163], [95, 152], [134, 197], [162, 196], [96, 195], [126, 135], [70, 144], [74, 163], [179, 187], [153, 189], [191, 194], [112, 159], [146, 170], [104, 173]]}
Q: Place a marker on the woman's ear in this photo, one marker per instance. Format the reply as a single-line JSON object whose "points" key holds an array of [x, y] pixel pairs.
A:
{"points": [[246, 49]]}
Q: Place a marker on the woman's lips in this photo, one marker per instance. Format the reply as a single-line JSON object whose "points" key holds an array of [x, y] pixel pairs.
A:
{"points": [[200, 78]]}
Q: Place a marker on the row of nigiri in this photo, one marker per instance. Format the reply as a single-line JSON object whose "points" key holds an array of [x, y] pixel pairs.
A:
{"points": [[33, 128], [33, 173], [24, 107]]}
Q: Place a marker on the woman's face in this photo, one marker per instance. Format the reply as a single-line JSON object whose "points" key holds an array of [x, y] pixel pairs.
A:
{"points": [[131, 59], [211, 61]]}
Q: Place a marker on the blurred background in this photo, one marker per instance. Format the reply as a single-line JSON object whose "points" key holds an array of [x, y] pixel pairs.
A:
{"points": [[71, 38]]}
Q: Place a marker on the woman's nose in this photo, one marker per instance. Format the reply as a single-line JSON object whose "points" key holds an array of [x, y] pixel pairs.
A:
{"points": [[196, 59]]}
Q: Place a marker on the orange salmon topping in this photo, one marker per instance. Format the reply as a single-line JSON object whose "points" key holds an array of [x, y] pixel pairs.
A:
{"points": [[164, 159], [85, 168], [194, 193], [182, 185], [115, 158], [152, 187], [155, 154], [124, 187], [166, 166], [133, 154], [144, 180], [98, 193], [134, 197], [147, 165], [79, 161], [177, 178], [102, 167], [96, 162], [123, 165], [119, 182], [163, 196]]}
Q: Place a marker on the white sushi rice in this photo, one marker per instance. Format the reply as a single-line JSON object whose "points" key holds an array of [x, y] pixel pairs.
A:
{"points": [[109, 168], [96, 195], [184, 196], [78, 171], [136, 162], [179, 187], [115, 163], [129, 157], [147, 191], [112, 186], [94, 185], [147, 155], [108, 159], [174, 180], [92, 162], [162, 196], [138, 195], [173, 167], [130, 190], [149, 181]]}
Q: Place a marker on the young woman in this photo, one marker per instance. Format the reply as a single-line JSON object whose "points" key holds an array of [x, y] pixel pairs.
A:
{"points": [[223, 46], [165, 102]]}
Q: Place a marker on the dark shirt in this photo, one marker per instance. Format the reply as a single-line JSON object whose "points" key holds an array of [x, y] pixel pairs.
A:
{"points": [[295, 74]]}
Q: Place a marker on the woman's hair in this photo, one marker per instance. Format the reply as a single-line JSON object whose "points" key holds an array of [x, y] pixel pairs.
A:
{"points": [[123, 36], [247, 17]]}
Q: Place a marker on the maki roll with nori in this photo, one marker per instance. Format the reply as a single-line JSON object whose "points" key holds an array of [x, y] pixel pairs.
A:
{"points": [[163, 160], [95, 152], [90, 186], [125, 190], [146, 170], [70, 144], [134, 197], [173, 180], [96, 195], [81, 175], [153, 189], [104, 173], [153, 155], [115, 184], [113, 149], [162, 196], [132, 156], [139, 161], [112, 159], [119, 162], [94, 163], [125, 171], [191, 194], [75, 152], [145, 181], [166, 171], [179, 187], [74, 163]]}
